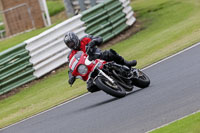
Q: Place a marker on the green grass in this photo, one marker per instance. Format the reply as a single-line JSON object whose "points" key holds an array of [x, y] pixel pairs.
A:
{"points": [[38, 97], [168, 26], [55, 6], [1, 18], [190, 124], [2, 27]]}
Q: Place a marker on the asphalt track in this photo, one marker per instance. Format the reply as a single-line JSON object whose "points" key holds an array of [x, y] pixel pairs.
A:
{"points": [[174, 92]]}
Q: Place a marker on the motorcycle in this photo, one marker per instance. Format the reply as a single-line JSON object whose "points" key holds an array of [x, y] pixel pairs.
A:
{"points": [[112, 78]]}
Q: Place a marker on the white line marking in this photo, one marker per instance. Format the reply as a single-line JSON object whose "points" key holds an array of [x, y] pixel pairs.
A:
{"points": [[172, 56], [46, 111], [173, 121], [89, 93]]}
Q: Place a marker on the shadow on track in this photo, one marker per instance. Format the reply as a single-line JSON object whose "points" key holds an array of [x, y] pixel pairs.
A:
{"points": [[135, 90], [106, 101], [96, 105]]}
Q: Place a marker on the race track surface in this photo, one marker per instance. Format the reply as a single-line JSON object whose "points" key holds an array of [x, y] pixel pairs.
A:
{"points": [[174, 92]]}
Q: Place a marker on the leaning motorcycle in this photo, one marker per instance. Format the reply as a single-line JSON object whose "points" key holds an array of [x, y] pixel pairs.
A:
{"points": [[110, 77]]}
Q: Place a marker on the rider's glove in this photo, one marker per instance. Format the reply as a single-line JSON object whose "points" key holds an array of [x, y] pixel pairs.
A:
{"points": [[71, 80], [89, 48]]}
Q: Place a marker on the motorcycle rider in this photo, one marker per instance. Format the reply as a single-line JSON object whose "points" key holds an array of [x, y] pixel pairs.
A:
{"points": [[88, 44]]}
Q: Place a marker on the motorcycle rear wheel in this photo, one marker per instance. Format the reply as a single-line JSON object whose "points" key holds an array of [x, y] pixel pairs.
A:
{"points": [[110, 88]]}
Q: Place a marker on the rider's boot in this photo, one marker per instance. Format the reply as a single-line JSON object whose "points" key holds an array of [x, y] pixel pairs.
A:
{"points": [[130, 63], [120, 60]]}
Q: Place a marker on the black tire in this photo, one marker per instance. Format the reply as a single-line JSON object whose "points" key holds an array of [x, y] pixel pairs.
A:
{"points": [[111, 89], [93, 89], [142, 81]]}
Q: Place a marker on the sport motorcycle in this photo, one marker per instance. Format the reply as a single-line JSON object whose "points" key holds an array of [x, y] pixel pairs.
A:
{"points": [[112, 78]]}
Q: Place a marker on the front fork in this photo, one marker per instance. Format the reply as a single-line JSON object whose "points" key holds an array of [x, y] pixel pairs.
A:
{"points": [[105, 75], [98, 72]]}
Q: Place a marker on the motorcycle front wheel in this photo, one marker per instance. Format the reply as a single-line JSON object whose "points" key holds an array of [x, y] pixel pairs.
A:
{"points": [[142, 80], [112, 89]]}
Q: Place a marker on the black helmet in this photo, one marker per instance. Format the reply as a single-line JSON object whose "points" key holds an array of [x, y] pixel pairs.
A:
{"points": [[72, 41]]}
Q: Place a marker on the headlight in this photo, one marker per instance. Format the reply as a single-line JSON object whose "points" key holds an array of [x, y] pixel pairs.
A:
{"points": [[82, 69]]}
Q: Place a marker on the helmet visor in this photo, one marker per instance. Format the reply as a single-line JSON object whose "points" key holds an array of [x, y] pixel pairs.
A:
{"points": [[70, 44]]}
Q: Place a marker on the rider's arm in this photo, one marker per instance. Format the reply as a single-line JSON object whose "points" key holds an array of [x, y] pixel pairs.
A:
{"points": [[71, 78], [95, 40]]}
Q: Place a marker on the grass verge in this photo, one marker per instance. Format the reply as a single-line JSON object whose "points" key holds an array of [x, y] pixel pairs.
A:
{"points": [[189, 124], [168, 26], [55, 6]]}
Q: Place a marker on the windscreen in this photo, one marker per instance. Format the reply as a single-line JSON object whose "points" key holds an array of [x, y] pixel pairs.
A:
{"points": [[74, 61]]}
